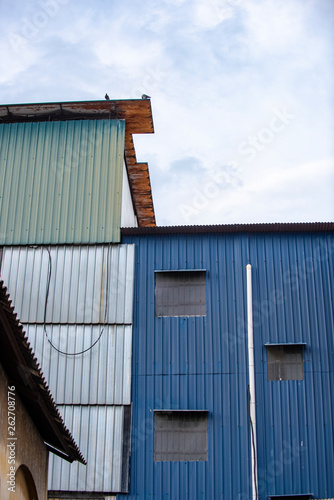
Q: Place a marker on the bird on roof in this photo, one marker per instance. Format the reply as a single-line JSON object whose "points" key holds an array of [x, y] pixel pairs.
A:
{"points": [[107, 97], [144, 96]]}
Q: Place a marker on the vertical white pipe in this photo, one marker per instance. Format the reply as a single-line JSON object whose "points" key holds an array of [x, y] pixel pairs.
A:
{"points": [[252, 407]]}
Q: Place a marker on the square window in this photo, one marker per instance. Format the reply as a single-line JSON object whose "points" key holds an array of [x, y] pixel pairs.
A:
{"points": [[180, 436], [285, 362], [180, 293]]}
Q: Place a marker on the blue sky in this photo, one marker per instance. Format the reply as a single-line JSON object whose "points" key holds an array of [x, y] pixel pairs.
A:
{"points": [[242, 95]]}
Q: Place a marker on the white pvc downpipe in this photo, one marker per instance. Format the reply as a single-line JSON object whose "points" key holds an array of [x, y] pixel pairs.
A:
{"points": [[252, 407]]}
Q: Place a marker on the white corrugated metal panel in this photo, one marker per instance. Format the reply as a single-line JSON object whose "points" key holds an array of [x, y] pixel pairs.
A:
{"points": [[98, 430], [128, 215], [79, 281], [101, 375]]}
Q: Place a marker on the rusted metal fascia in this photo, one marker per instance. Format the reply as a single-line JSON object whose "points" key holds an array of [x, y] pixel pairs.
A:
{"points": [[140, 184], [136, 112]]}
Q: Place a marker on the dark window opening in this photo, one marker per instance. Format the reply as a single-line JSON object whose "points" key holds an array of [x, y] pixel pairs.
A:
{"points": [[307, 496], [180, 436], [126, 448], [180, 293], [285, 362]]}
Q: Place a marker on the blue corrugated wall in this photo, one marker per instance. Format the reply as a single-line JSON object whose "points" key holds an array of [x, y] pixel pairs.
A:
{"points": [[201, 363]]}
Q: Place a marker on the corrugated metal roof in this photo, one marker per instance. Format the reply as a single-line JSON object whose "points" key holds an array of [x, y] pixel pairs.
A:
{"points": [[137, 114], [25, 374], [79, 280], [99, 430], [201, 362], [61, 182], [101, 375], [276, 227]]}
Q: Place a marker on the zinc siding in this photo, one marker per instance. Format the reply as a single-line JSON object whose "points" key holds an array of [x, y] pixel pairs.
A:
{"points": [[200, 363], [61, 181], [89, 284], [99, 430], [101, 375], [89, 308]]}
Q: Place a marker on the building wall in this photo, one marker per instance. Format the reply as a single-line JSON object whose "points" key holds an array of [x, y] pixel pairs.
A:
{"points": [[200, 363], [76, 305], [30, 451], [129, 217], [61, 181]]}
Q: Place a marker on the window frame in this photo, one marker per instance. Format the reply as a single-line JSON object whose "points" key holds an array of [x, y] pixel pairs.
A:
{"points": [[158, 306], [183, 452], [301, 345]]}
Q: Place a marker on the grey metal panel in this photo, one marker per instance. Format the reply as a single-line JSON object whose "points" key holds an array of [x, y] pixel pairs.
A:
{"points": [[128, 215], [80, 278], [102, 375], [99, 432]]}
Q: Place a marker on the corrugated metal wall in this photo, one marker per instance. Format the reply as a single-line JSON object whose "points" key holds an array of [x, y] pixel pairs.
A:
{"points": [[89, 308], [128, 217], [61, 181], [201, 363], [99, 430], [79, 280], [102, 375]]}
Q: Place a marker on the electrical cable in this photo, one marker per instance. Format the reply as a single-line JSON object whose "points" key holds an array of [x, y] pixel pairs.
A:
{"points": [[253, 445], [46, 304]]}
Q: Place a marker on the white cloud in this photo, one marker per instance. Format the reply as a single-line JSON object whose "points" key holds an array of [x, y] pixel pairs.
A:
{"points": [[274, 26], [115, 50], [208, 15], [215, 70], [299, 177], [17, 57]]}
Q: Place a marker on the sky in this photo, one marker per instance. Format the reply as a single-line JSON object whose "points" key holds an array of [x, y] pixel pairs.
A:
{"points": [[242, 94]]}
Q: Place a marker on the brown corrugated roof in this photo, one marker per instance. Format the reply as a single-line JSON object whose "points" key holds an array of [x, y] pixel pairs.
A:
{"points": [[23, 371], [277, 227], [137, 114]]}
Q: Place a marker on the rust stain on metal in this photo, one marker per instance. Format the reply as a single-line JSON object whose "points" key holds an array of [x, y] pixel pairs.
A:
{"points": [[140, 184], [137, 114]]}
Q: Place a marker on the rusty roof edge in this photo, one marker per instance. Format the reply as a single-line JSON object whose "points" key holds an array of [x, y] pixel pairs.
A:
{"points": [[137, 112], [90, 101], [142, 194], [234, 228], [140, 184], [44, 398]]}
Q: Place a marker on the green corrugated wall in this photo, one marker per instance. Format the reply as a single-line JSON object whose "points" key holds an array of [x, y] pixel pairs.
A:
{"points": [[61, 181]]}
